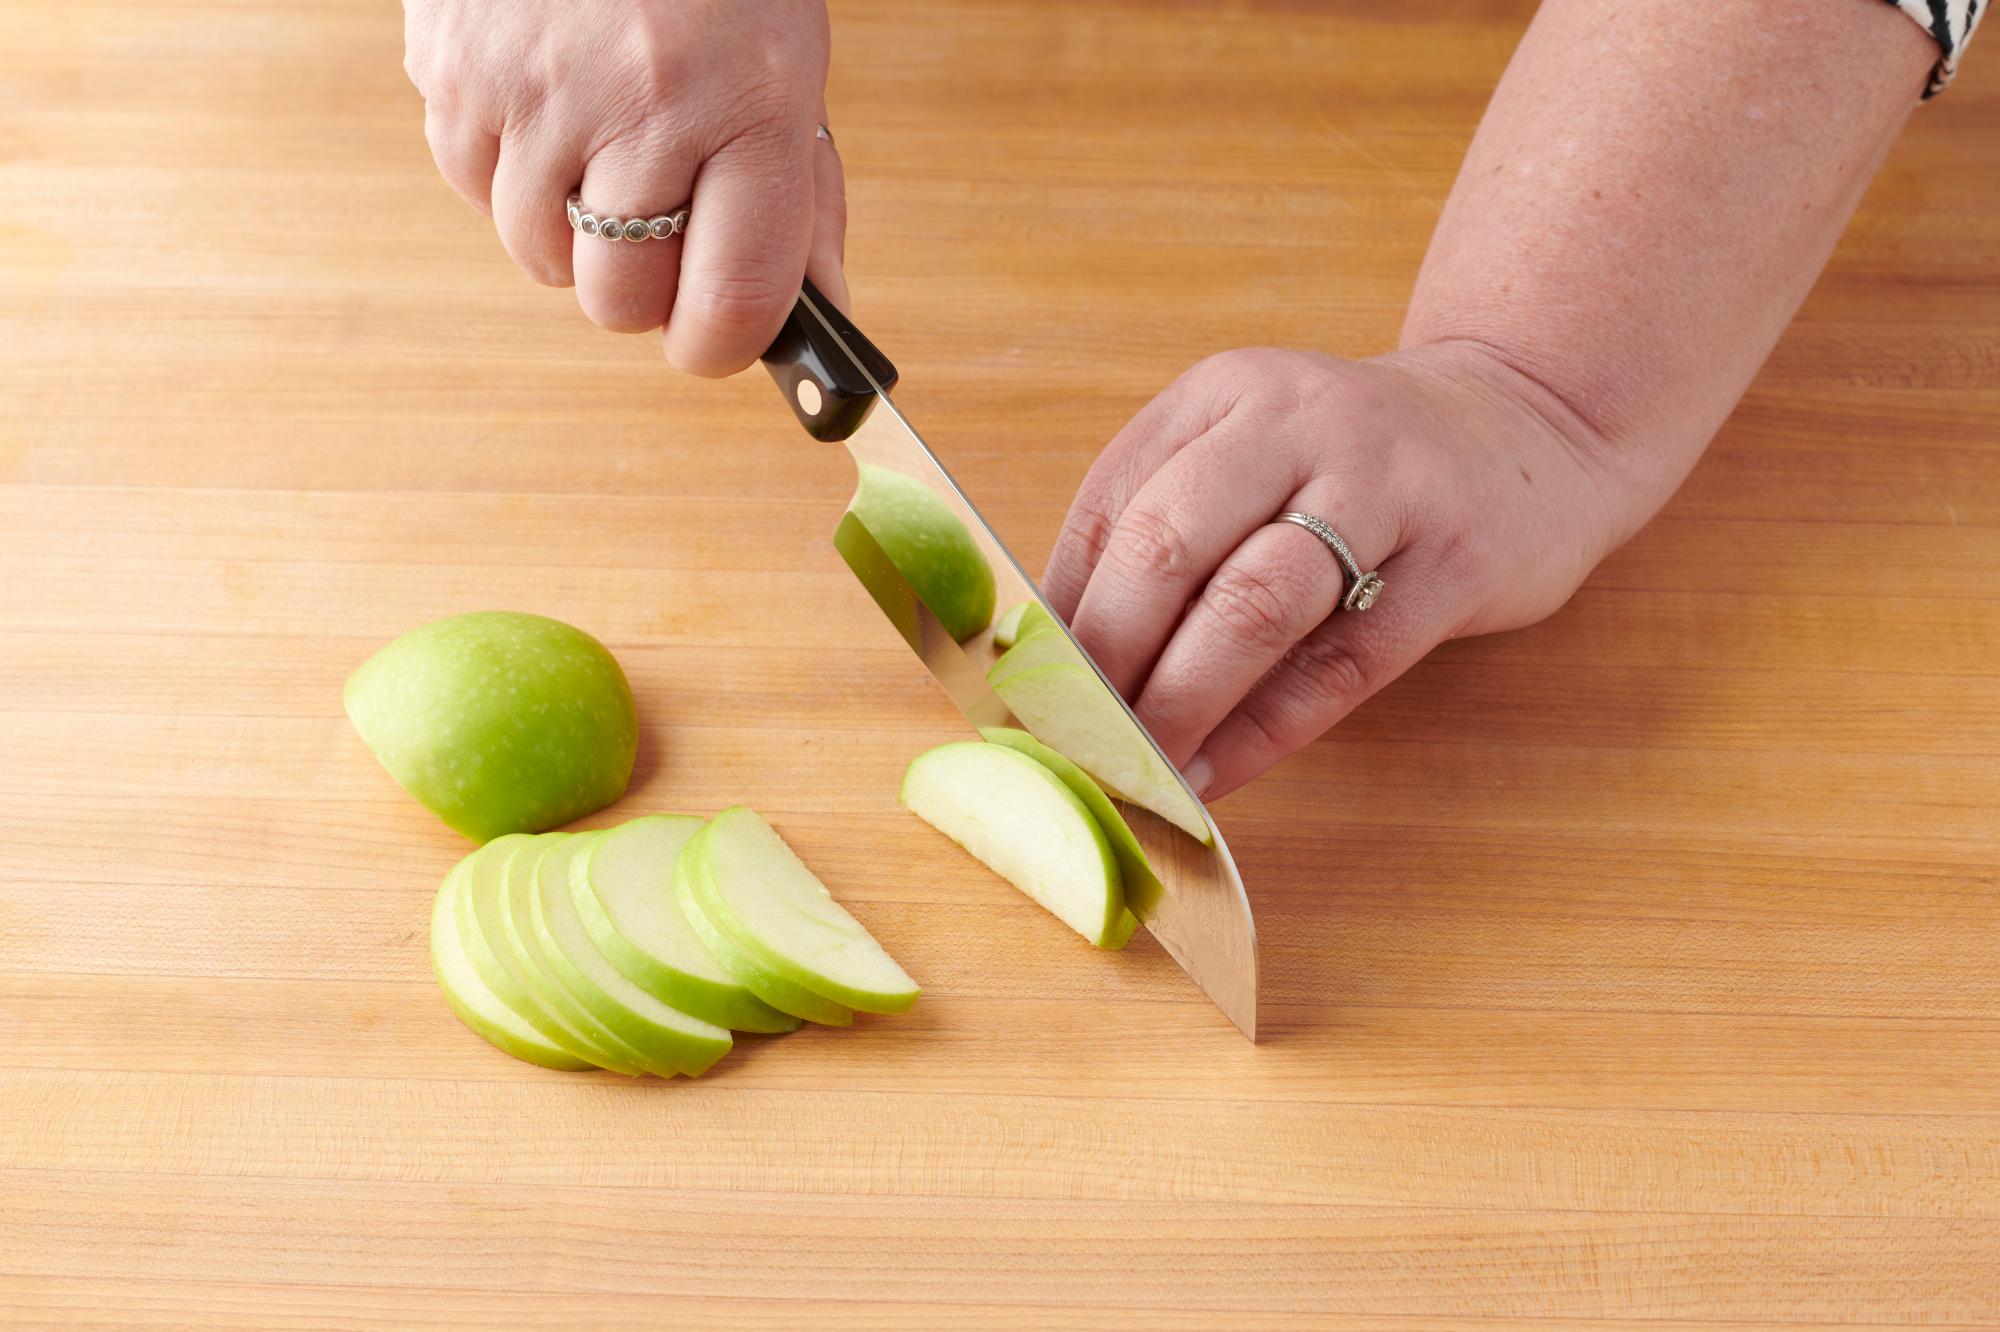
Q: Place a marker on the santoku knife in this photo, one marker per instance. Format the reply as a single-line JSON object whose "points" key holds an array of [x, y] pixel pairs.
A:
{"points": [[838, 385]]}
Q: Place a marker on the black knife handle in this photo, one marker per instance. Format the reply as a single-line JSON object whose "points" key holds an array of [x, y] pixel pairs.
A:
{"points": [[827, 369]]}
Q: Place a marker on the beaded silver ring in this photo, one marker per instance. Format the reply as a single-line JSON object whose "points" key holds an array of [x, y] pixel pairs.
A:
{"points": [[633, 229]]}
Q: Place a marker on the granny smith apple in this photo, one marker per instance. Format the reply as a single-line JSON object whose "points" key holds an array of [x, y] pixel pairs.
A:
{"points": [[1008, 627], [1044, 646], [499, 954], [1135, 872], [784, 995], [1071, 711], [1026, 825], [667, 1037], [498, 722], [929, 545], [756, 891], [622, 886], [472, 1000]]}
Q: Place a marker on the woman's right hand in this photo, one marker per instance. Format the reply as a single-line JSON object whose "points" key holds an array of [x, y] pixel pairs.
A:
{"points": [[641, 107]]}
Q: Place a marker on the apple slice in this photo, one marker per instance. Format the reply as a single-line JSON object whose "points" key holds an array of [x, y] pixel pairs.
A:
{"points": [[1073, 712], [758, 893], [1008, 627], [1047, 646], [1142, 886], [781, 994], [623, 888], [473, 1000], [929, 545], [1026, 825], [665, 1036], [513, 966]]}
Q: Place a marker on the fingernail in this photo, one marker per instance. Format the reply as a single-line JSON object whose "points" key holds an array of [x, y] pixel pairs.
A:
{"points": [[1199, 773]]}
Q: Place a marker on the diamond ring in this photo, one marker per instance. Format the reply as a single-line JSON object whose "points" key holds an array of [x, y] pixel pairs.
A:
{"points": [[1363, 589], [625, 228]]}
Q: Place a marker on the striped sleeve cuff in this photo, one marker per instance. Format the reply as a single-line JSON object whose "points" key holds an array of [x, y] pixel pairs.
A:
{"points": [[1950, 23]]}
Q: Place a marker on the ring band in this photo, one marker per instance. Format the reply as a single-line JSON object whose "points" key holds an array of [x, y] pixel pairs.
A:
{"points": [[822, 132], [1364, 589], [625, 228]]}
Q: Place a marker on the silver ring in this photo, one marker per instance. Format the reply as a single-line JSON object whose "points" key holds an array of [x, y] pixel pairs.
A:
{"points": [[823, 133], [1364, 589], [625, 228]]}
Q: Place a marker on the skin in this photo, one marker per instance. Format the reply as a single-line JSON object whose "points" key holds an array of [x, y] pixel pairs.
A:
{"points": [[1651, 194]]}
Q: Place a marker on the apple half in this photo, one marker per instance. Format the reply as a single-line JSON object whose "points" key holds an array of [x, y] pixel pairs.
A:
{"points": [[929, 545], [622, 886], [473, 1000], [1027, 826], [521, 982], [668, 1039], [756, 892], [1074, 713]]}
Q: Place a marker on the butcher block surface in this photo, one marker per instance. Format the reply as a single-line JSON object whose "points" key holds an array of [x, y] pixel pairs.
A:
{"points": [[1640, 968]]}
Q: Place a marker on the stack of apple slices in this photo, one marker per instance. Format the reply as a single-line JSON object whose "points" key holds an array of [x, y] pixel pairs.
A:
{"points": [[1040, 822], [640, 948]]}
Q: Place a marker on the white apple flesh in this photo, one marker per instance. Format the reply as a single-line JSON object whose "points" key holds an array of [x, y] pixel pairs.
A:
{"points": [[784, 995], [622, 886], [1019, 818], [1142, 886], [473, 1000]]}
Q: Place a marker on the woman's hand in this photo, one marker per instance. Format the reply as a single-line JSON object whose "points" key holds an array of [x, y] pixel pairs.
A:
{"points": [[1481, 506], [643, 106]]}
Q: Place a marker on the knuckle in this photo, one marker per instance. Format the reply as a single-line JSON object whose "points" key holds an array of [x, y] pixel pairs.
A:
{"points": [[1329, 673], [1149, 545], [1085, 535], [745, 297], [1251, 609]]}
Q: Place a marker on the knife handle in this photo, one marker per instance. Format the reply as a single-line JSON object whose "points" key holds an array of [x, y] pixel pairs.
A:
{"points": [[827, 369]]}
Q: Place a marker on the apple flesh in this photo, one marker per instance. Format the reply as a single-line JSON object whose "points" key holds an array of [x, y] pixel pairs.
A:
{"points": [[1135, 872], [669, 1040], [473, 1000], [929, 545], [1046, 646], [1008, 627], [785, 995], [1074, 713], [1026, 825], [756, 892], [498, 722], [622, 887], [500, 918]]}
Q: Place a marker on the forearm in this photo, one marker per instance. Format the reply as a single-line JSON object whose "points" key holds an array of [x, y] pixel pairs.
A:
{"points": [[1651, 194]]}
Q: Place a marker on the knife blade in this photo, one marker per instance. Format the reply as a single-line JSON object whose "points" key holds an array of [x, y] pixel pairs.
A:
{"points": [[837, 383]]}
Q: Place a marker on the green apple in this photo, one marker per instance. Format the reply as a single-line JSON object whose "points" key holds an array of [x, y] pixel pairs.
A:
{"points": [[667, 1037], [623, 888], [1027, 826], [784, 995], [758, 893], [1008, 627], [1074, 713], [473, 1000], [929, 545], [498, 722], [496, 951], [1045, 646], [1142, 886]]}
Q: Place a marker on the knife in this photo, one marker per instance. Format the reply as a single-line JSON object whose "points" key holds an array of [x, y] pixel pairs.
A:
{"points": [[838, 385]]}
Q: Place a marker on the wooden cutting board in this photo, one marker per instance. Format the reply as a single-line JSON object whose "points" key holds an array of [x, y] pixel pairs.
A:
{"points": [[1645, 964]]}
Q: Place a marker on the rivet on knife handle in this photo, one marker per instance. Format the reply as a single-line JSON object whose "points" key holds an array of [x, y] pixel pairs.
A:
{"points": [[829, 390]]}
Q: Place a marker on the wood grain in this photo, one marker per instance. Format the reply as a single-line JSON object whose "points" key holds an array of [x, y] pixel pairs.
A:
{"points": [[1639, 968]]}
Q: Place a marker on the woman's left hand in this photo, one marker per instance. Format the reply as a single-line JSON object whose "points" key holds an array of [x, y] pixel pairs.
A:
{"points": [[1481, 503]]}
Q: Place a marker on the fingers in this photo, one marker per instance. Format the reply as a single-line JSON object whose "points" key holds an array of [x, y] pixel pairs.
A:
{"points": [[1184, 411], [826, 260], [466, 153], [623, 286], [1275, 588], [532, 181], [747, 238], [1325, 676], [1173, 535]]}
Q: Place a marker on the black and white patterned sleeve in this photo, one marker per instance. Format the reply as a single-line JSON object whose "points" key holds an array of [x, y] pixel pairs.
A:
{"points": [[1951, 22]]}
